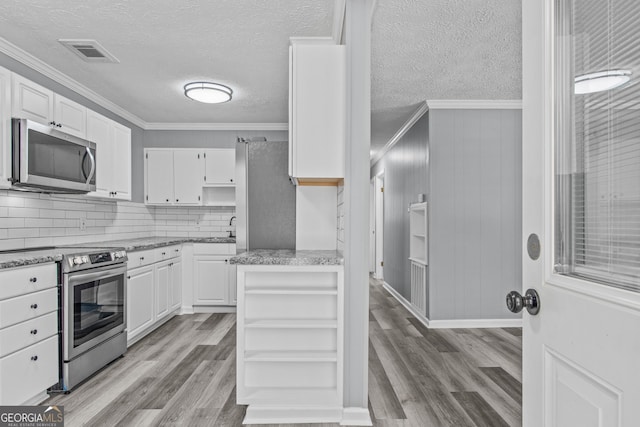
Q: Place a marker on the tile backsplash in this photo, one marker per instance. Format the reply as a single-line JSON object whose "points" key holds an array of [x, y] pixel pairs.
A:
{"points": [[33, 219]]}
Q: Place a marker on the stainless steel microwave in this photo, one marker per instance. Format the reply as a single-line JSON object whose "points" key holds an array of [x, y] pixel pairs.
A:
{"points": [[47, 160]]}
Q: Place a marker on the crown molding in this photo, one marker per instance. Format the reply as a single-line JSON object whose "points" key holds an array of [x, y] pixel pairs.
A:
{"points": [[217, 126], [47, 70], [417, 114], [475, 104]]}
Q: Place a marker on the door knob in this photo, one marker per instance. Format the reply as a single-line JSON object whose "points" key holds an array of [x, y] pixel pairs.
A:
{"points": [[516, 302]]}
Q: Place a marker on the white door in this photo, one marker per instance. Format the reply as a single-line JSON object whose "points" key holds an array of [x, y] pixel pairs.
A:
{"points": [[140, 294], [581, 196], [70, 117], [176, 284], [379, 272], [99, 131], [163, 288], [211, 280], [121, 162]]}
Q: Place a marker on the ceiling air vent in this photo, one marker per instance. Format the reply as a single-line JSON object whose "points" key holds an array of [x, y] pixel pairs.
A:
{"points": [[89, 50]]}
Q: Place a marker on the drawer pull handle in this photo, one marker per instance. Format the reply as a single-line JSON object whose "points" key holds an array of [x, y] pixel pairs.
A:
{"points": [[33, 279], [34, 331], [34, 306], [129, 277], [164, 253], [177, 250], [141, 258], [34, 358]]}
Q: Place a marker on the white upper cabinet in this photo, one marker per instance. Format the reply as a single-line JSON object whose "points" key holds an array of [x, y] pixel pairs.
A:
{"points": [[174, 177], [35, 102], [317, 108], [69, 116], [158, 177], [220, 166], [188, 176], [113, 156], [121, 156], [5, 127], [31, 101]]}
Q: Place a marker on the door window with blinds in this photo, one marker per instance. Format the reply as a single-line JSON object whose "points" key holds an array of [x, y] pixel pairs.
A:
{"points": [[597, 134]]}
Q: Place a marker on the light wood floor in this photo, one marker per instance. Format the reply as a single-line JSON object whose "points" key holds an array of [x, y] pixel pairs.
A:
{"points": [[183, 374]]}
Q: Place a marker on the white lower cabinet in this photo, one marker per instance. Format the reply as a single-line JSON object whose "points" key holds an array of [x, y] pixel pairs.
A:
{"points": [[214, 279], [290, 343], [28, 333], [154, 290]]}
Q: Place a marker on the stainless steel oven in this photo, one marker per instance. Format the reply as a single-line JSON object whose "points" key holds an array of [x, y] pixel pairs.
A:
{"points": [[47, 160], [93, 312]]}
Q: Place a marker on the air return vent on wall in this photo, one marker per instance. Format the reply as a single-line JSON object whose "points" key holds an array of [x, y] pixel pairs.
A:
{"points": [[89, 50]]}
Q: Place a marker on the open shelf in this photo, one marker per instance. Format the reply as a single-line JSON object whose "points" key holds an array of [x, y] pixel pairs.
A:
{"points": [[291, 356], [291, 324]]}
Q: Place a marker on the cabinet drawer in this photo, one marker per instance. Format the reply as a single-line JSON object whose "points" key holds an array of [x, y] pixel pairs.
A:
{"points": [[28, 307], [140, 258], [28, 372], [214, 249], [168, 252], [27, 333], [24, 280]]}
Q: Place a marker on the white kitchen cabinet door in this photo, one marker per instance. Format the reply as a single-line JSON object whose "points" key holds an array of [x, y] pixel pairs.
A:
{"points": [[318, 105], [159, 177], [163, 284], [140, 300], [220, 166], [99, 131], [5, 127], [211, 275], [121, 165], [69, 116], [188, 170], [176, 285], [31, 101]]}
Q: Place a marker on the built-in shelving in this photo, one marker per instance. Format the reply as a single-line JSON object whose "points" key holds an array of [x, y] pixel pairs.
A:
{"points": [[418, 255], [290, 337]]}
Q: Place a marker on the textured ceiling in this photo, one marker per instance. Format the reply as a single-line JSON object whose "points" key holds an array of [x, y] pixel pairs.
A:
{"points": [[163, 44], [436, 49], [441, 49]]}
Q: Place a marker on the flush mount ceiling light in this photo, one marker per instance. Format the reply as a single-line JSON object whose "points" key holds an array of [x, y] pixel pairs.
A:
{"points": [[207, 92], [601, 81]]}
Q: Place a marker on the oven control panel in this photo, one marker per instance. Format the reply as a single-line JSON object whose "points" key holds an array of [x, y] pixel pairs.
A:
{"points": [[94, 259]]}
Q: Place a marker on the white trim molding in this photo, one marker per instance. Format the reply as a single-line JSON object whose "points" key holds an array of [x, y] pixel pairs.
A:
{"points": [[339, 10], [453, 323], [217, 126], [47, 70], [356, 417], [291, 415], [417, 114], [475, 104]]}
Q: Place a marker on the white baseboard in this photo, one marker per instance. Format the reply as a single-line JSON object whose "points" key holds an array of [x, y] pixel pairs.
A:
{"points": [[36, 400], [453, 323], [186, 309], [213, 309], [356, 417], [291, 415]]}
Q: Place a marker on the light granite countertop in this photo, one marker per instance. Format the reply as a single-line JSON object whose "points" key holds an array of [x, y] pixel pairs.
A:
{"points": [[287, 257], [132, 245], [29, 257]]}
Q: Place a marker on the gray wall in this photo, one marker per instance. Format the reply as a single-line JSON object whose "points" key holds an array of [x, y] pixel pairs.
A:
{"points": [[405, 176], [475, 212], [468, 162]]}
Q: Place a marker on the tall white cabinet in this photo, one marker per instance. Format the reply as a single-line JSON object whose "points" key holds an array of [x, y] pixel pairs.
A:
{"points": [[290, 343]]}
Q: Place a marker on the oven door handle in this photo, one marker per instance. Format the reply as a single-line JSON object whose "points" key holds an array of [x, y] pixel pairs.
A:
{"points": [[103, 273]]}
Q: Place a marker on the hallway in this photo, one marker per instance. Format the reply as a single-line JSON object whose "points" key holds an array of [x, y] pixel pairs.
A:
{"points": [[183, 374]]}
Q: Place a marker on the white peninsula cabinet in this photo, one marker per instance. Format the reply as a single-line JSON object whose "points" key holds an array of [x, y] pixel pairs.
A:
{"points": [[290, 342], [154, 289], [317, 110], [28, 333]]}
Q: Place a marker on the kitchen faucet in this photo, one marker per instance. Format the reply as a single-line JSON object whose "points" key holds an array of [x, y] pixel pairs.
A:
{"points": [[231, 234]]}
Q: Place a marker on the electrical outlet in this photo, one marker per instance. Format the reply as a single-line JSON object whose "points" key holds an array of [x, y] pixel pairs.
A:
{"points": [[83, 224]]}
